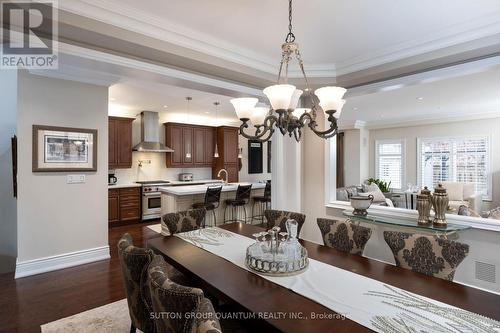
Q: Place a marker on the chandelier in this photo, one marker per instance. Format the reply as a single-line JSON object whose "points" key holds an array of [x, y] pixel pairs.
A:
{"points": [[284, 98]]}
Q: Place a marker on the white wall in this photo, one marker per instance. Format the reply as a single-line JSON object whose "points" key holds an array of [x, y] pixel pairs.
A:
{"points": [[356, 156], [8, 210], [460, 128], [55, 218], [255, 177]]}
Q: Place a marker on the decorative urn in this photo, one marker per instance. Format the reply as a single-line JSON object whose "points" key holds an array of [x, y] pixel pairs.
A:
{"points": [[424, 204], [361, 204], [440, 202]]}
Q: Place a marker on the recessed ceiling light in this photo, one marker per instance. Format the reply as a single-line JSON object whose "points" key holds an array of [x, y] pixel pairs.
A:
{"points": [[355, 108], [207, 112], [420, 98], [165, 106], [112, 99]]}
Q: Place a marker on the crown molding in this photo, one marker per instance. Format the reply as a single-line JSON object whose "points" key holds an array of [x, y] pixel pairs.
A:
{"points": [[130, 18], [351, 124]]}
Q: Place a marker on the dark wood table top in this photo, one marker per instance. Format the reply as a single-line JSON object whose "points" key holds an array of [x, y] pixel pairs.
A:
{"points": [[229, 282]]}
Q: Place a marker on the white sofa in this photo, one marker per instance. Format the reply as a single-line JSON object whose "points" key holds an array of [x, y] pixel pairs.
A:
{"points": [[463, 194]]}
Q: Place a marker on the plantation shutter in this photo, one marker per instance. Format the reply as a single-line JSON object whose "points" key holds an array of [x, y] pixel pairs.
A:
{"points": [[390, 162]]}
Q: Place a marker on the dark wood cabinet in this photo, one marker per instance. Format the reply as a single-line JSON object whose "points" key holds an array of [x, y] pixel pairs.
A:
{"points": [[124, 205], [193, 145], [227, 142], [120, 143]]}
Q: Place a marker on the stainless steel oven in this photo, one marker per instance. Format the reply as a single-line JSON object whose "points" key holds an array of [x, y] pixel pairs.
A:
{"points": [[151, 199]]}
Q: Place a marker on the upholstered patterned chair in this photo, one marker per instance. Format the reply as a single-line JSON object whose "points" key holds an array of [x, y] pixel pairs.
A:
{"points": [[344, 235], [184, 221], [425, 254], [279, 217], [169, 297], [134, 262]]}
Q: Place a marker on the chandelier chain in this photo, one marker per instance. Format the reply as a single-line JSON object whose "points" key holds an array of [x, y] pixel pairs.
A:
{"points": [[290, 37]]}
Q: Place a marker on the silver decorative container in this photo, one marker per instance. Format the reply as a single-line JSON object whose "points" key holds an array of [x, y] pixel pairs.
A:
{"points": [[361, 204], [424, 205], [440, 203], [277, 257]]}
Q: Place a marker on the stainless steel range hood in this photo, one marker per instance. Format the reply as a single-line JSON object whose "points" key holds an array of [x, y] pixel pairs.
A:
{"points": [[150, 134]]}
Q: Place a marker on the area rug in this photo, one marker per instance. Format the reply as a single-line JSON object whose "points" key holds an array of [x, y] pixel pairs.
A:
{"points": [[155, 227], [110, 318]]}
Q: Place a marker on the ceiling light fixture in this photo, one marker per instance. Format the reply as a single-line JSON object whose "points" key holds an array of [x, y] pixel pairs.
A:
{"points": [[284, 99], [216, 149], [420, 98]]}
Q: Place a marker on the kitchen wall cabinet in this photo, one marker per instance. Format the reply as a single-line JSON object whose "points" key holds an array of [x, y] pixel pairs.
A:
{"points": [[227, 142], [193, 145], [120, 142], [124, 205]]}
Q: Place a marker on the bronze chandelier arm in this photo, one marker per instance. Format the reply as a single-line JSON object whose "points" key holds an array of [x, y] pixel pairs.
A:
{"points": [[267, 126], [328, 133]]}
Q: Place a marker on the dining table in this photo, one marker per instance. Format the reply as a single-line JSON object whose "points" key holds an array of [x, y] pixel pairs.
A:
{"points": [[282, 309]]}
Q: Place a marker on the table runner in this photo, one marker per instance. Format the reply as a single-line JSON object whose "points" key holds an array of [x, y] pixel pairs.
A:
{"points": [[371, 303]]}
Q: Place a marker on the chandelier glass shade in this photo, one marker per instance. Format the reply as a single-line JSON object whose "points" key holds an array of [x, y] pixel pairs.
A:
{"points": [[284, 99]]}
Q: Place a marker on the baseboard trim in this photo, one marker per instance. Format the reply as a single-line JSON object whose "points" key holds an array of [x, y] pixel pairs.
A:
{"points": [[48, 264]]}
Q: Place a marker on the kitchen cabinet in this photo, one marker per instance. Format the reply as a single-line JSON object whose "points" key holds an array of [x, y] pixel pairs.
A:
{"points": [[120, 142], [193, 145], [124, 205], [227, 142]]}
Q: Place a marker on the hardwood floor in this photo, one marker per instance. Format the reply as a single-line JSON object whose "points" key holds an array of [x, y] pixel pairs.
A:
{"points": [[28, 302]]}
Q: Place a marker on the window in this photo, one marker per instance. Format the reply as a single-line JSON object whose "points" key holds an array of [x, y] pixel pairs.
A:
{"points": [[460, 159], [390, 161]]}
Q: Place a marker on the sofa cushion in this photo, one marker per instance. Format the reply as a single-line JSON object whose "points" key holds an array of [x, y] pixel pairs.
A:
{"points": [[455, 190], [469, 190]]}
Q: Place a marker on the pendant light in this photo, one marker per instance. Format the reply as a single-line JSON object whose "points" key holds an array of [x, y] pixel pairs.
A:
{"points": [[216, 150], [188, 113]]}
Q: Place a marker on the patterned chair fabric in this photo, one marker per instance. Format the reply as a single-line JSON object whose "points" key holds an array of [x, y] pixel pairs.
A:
{"points": [[344, 235], [184, 221], [134, 262], [279, 217], [170, 297], [429, 255]]}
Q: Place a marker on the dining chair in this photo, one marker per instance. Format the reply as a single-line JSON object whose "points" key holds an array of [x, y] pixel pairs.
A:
{"points": [[240, 201], [261, 203], [426, 254], [278, 218], [345, 235], [134, 262], [211, 203], [184, 221], [194, 312]]}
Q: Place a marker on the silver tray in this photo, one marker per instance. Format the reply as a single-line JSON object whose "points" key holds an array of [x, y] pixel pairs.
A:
{"points": [[277, 268]]}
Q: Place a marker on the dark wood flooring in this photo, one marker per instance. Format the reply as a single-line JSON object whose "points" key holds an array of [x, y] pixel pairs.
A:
{"points": [[29, 302]]}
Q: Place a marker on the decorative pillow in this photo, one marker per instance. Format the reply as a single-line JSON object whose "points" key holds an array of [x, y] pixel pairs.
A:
{"points": [[424, 254], [455, 190], [370, 187], [378, 196], [344, 236], [493, 214], [466, 211]]}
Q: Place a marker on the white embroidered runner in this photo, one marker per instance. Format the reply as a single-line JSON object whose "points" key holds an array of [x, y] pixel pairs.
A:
{"points": [[369, 302]]}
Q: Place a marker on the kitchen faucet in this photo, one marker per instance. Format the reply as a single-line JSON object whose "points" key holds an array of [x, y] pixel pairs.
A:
{"points": [[225, 171]]}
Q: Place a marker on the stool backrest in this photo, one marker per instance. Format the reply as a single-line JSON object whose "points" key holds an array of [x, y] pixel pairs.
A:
{"points": [[212, 196], [243, 192], [267, 190]]}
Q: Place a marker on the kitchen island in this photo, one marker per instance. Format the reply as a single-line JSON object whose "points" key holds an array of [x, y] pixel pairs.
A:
{"points": [[180, 198]]}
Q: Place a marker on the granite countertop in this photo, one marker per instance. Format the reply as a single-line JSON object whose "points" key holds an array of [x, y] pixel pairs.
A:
{"points": [[194, 182], [123, 185], [200, 189]]}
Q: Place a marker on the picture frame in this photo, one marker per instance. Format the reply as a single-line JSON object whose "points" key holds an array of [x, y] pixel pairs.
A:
{"points": [[64, 149]]}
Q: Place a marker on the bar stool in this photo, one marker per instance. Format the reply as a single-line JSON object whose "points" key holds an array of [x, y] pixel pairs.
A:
{"points": [[211, 203], [241, 200], [262, 202]]}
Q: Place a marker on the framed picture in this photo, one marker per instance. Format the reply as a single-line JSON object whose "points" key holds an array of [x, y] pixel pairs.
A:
{"points": [[254, 156], [64, 149]]}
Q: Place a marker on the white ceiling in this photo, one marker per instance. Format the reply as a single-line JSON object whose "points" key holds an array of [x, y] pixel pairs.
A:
{"points": [[335, 36], [129, 98], [459, 97]]}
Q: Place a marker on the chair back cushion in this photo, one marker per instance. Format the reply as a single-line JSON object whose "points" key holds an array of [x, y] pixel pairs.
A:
{"points": [[243, 192], [212, 196], [184, 221], [425, 254], [169, 297], [455, 190], [134, 262], [344, 235], [278, 218]]}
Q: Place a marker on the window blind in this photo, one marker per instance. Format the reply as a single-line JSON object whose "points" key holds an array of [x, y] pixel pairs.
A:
{"points": [[460, 159], [390, 162]]}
